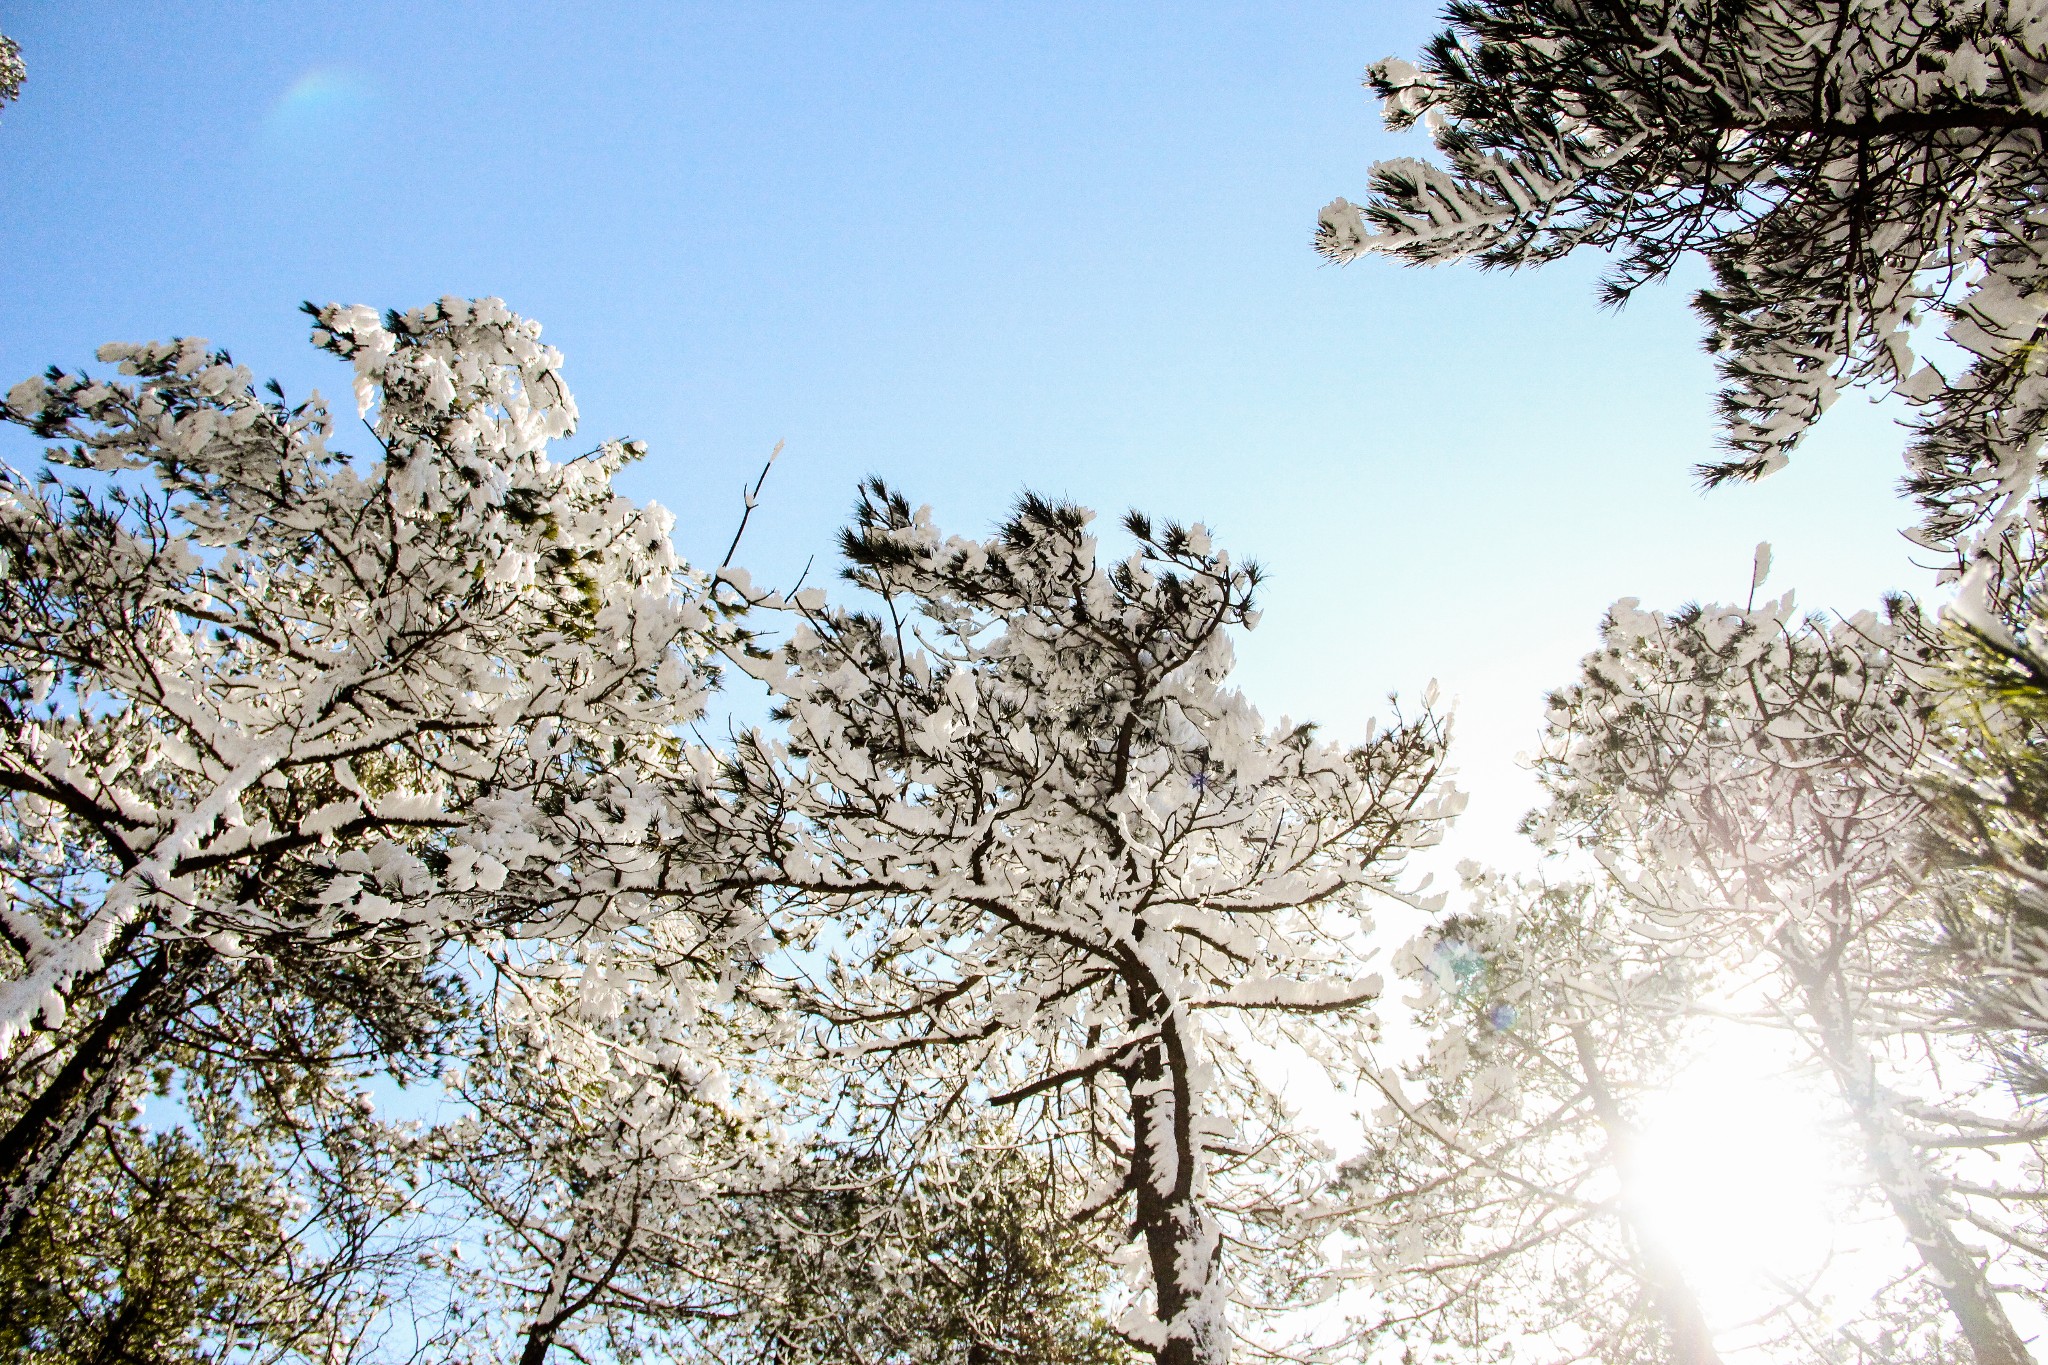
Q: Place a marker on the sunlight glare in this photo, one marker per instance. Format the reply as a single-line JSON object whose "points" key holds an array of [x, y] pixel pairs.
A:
{"points": [[1739, 1176]]}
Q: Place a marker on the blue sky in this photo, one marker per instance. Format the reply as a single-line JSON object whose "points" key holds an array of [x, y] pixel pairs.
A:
{"points": [[972, 248]]}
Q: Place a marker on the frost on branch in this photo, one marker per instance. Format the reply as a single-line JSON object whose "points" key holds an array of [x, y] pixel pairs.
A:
{"points": [[1042, 858], [1741, 762], [1847, 171], [266, 704], [610, 1142]]}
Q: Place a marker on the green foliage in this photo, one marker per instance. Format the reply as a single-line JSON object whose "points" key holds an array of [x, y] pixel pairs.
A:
{"points": [[1989, 835], [261, 1225], [966, 1262], [153, 1248]]}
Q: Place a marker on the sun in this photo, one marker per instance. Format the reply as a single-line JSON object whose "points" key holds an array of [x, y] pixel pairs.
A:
{"points": [[1742, 1174]]}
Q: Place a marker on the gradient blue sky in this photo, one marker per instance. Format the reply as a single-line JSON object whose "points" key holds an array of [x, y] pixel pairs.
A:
{"points": [[972, 248]]}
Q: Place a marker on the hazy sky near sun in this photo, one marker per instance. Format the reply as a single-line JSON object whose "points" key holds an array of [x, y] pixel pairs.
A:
{"points": [[972, 248]]}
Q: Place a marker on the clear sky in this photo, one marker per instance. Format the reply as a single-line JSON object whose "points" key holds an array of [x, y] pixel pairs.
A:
{"points": [[972, 248]]}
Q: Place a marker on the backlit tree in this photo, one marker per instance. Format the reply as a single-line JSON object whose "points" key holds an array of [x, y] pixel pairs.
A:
{"points": [[1042, 859]]}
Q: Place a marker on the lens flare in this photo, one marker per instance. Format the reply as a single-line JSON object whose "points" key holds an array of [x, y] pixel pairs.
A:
{"points": [[325, 104]]}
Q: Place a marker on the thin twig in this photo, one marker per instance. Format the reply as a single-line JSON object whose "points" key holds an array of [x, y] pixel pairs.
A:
{"points": [[752, 498]]}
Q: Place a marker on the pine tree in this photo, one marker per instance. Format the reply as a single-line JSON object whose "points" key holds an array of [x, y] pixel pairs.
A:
{"points": [[12, 70], [278, 728], [1988, 832], [1038, 858], [1750, 782], [1846, 171], [1500, 1197]]}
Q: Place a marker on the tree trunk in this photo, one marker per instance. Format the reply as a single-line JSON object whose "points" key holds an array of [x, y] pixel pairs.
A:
{"points": [[42, 1138], [538, 1338], [554, 1310], [1175, 1227], [1692, 1341], [1173, 1231], [1906, 1183]]}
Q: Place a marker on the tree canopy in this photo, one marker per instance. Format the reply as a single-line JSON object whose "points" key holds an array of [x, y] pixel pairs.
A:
{"points": [[1850, 173], [395, 964]]}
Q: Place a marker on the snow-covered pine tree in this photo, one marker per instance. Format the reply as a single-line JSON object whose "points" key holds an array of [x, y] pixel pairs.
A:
{"points": [[272, 715], [608, 1139], [1500, 1196], [1846, 170], [1041, 859], [1749, 781]]}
